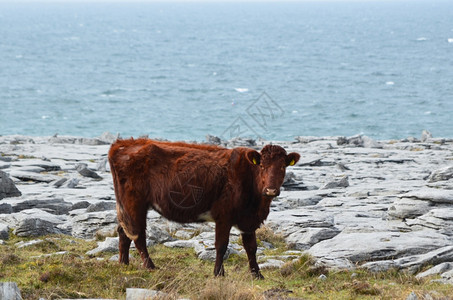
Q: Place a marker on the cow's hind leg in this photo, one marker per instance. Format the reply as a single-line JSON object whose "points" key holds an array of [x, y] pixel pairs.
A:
{"points": [[124, 245], [249, 242], [222, 233], [133, 221]]}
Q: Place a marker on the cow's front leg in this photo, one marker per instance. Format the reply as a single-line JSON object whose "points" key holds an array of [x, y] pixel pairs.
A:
{"points": [[249, 242], [140, 244], [222, 234]]}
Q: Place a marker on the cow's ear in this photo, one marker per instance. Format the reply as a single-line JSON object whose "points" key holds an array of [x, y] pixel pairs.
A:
{"points": [[292, 158], [253, 157]]}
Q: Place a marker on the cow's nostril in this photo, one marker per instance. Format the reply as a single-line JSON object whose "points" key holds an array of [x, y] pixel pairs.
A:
{"points": [[271, 192]]}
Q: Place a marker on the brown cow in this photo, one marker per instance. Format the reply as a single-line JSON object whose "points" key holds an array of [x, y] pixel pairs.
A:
{"points": [[195, 183]]}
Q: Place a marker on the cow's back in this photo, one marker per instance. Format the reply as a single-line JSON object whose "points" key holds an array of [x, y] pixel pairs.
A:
{"points": [[180, 181]]}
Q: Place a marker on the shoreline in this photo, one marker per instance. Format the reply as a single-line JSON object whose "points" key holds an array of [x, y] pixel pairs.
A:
{"points": [[349, 202]]}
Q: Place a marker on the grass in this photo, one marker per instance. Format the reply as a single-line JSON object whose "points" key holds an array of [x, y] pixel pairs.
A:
{"points": [[181, 274]]}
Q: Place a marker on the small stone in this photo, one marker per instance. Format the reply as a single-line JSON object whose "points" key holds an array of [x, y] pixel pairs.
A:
{"points": [[426, 135], [135, 294], [442, 174], [412, 296], [342, 183], [439, 269], [102, 165], [4, 232], [271, 264], [5, 208], [213, 140], [28, 244], [111, 244], [9, 291], [72, 183], [101, 206], [59, 182], [84, 171], [7, 187]]}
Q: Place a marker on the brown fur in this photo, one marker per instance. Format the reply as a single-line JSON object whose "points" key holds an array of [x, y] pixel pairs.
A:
{"points": [[185, 182]]}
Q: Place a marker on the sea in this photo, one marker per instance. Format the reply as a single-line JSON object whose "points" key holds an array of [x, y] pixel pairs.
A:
{"points": [[270, 70]]}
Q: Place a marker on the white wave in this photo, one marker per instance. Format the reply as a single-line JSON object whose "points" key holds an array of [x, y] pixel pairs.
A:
{"points": [[428, 112], [450, 40], [241, 90], [422, 39], [389, 83]]}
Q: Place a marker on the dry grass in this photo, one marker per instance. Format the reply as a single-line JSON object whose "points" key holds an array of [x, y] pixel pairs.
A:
{"points": [[182, 275]]}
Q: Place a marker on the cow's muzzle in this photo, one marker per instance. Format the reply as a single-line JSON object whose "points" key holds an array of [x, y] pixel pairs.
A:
{"points": [[270, 192]]}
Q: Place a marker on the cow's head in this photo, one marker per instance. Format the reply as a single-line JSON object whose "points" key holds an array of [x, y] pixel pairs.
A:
{"points": [[272, 163]]}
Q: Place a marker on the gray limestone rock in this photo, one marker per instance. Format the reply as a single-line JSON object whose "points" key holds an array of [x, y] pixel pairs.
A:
{"points": [[86, 225], [80, 205], [102, 165], [71, 183], [213, 140], [409, 208], [181, 244], [271, 264], [56, 206], [110, 244], [58, 183], [438, 269], [5, 208], [358, 141], [23, 244], [9, 291], [412, 296], [413, 262], [7, 187], [338, 183], [31, 176], [440, 219], [35, 227], [139, 294], [84, 171], [304, 238], [360, 247], [157, 233], [426, 135], [429, 194], [101, 206], [4, 231], [108, 138], [41, 164], [441, 174]]}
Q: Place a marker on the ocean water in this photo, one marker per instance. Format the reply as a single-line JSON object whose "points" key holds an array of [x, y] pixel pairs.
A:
{"points": [[270, 70]]}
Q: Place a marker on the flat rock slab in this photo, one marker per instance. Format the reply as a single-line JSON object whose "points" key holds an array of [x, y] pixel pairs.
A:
{"points": [[44, 165], [413, 262], [32, 176], [434, 195], [358, 247]]}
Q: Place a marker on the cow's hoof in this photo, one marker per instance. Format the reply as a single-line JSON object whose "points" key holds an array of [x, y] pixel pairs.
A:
{"points": [[258, 275], [148, 264]]}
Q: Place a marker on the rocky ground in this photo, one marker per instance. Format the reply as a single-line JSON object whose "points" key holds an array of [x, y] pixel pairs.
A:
{"points": [[349, 202]]}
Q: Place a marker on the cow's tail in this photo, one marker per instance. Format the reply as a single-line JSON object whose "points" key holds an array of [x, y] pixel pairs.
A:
{"points": [[124, 220]]}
